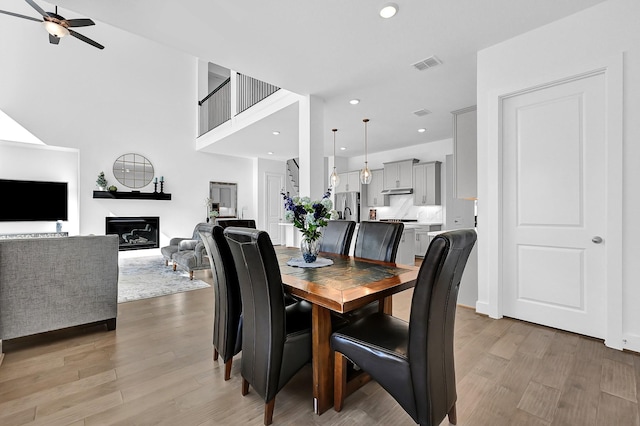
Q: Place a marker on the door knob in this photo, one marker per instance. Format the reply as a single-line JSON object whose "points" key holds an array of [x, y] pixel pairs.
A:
{"points": [[596, 240]]}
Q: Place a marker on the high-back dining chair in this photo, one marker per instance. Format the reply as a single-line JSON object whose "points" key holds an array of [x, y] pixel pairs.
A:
{"points": [[276, 337], [378, 240], [413, 361], [375, 241], [242, 223], [337, 235], [227, 314]]}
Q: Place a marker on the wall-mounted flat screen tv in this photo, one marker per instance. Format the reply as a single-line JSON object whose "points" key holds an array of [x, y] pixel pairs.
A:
{"points": [[27, 200]]}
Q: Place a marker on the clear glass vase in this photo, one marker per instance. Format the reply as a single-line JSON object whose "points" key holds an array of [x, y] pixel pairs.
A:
{"points": [[310, 249]]}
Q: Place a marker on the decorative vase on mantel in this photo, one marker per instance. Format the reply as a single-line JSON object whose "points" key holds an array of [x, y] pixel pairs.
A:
{"points": [[310, 248]]}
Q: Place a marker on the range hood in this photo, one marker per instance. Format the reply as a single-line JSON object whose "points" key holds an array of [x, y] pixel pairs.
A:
{"points": [[397, 191]]}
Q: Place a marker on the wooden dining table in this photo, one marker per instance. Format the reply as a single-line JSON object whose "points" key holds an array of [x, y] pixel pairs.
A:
{"points": [[349, 283]]}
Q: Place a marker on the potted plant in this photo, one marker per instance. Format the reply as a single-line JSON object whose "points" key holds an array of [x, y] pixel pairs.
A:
{"points": [[101, 182]]}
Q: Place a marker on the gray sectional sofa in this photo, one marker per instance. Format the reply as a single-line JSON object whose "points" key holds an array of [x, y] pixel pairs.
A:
{"points": [[52, 283]]}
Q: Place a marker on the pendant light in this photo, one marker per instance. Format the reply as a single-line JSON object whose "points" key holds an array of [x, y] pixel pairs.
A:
{"points": [[365, 174], [334, 179]]}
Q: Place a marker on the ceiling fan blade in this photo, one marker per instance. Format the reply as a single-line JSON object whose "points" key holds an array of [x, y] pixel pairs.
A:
{"points": [[86, 39], [53, 39], [38, 8], [82, 22], [21, 16]]}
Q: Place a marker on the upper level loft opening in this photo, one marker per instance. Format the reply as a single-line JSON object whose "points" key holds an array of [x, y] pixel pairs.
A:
{"points": [[229, 94]]}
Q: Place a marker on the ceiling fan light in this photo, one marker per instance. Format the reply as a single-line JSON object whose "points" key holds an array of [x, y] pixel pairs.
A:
{"points": [[55, 30]]}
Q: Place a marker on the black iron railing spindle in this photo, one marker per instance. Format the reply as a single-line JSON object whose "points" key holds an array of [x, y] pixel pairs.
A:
{"points": [[215, 108]]}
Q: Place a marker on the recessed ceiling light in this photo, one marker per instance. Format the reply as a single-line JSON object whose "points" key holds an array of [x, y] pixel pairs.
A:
{"points": [[343, 148], [275, 132], [422, 130], [389, 10], [354, 101], [270, 153]]}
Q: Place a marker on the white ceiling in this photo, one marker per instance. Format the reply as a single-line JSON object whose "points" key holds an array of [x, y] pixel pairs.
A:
{"points": [[338, 50]]}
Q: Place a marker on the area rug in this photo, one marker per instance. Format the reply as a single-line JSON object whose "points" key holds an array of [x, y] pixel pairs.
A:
{"points": [[145, 277]]}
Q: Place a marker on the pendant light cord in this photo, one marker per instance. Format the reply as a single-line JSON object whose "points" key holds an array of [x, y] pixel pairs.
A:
{"points": [[366, 120], [334, 147]]}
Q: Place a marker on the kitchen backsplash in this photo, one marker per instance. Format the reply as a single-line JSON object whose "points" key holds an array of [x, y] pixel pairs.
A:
{"points": [[401, 207]]}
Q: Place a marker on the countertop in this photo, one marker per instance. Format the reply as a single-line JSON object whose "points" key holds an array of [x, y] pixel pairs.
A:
{"points": [[417, 225], [434, 233]]}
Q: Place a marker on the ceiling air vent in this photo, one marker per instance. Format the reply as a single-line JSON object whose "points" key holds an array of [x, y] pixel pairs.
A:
{"points": [[422, 112], [430, 62]]}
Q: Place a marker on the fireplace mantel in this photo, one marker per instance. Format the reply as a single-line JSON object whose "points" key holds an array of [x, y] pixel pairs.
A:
{"points": [[132, 195]]}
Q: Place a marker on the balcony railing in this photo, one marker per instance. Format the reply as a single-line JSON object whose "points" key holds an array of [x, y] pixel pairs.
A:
{"points": [[251, 91], [215, 108]]}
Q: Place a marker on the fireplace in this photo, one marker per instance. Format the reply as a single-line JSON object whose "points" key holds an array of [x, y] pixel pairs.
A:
{"points": [[135, 233]]}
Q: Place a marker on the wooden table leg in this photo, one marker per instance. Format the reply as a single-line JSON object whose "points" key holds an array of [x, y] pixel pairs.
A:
{"points": [[322, 360], [386, 305]]}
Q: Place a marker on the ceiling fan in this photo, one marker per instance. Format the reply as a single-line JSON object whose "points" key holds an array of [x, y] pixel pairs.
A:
{"points": [[57, 26]]}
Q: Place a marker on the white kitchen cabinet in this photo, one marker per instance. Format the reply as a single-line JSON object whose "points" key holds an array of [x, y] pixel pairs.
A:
{"points": [[399, 174], [426, 184], [422, 243], [349, 182], [422, 239], [342, 185], [465, 153], [406, 253], [459, 212], [374, 189]]}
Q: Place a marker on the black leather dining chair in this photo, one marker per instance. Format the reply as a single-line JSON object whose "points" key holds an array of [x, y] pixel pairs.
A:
{"points": [[242, 223], [378, 240], [337, 235], [227, 314], [413, 361], [375, 241], [276, 338]]}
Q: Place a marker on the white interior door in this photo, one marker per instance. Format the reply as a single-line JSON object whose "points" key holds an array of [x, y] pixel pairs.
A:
{"points": [[274, 206], [554, 194]]}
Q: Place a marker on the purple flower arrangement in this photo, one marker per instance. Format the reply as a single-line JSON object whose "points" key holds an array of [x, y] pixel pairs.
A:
{"points": [[308, 216]]}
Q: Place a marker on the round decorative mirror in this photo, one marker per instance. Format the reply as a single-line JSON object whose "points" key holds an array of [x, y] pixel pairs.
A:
{"points": [[133, 170]]}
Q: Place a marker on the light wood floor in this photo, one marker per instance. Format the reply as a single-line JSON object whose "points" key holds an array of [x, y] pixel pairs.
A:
{"points": [[157, 368]]}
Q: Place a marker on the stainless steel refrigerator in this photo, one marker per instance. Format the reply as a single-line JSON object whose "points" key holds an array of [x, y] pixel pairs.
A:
{"points": [[348, 205]]}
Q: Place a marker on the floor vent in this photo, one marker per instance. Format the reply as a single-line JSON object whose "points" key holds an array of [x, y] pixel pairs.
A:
{"points": [[430, 62]]}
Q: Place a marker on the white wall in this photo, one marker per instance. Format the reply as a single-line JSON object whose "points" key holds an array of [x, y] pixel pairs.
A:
{"points": [[133, 96], [575, 44], [31, 162]]}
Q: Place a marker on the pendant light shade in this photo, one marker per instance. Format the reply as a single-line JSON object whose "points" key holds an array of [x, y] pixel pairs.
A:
{"points": [[334, 179], [365, 174]]}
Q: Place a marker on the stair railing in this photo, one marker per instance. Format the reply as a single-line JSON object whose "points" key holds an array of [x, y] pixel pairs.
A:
{"points": [[293, 173], [215, 108], [251, 91]]}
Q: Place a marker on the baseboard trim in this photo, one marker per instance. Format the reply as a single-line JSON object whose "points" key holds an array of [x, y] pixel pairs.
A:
{"points": [[482, 308], [631, 342]]}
